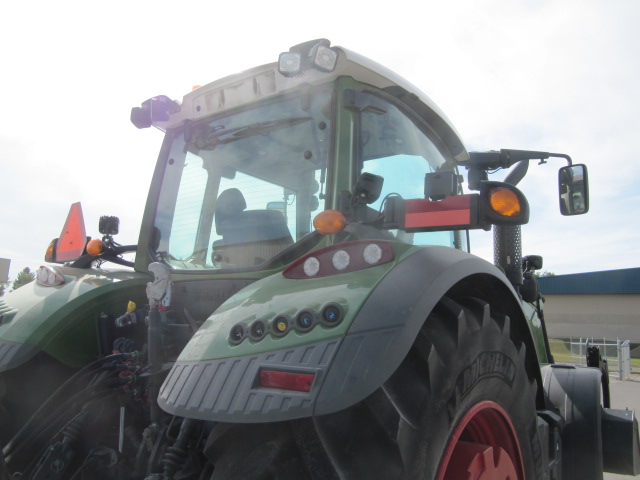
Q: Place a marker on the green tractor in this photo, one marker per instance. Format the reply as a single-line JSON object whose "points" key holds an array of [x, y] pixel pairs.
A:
{"points": [[303, 304]]}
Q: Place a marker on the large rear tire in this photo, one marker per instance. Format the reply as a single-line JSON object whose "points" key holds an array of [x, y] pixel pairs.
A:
{"points": [[480, 410], [460, 406]]}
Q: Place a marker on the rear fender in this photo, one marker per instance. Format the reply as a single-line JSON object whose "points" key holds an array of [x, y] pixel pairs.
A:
{"points": [[61, 321], [593, 438], [215, 381], [387, 325]]}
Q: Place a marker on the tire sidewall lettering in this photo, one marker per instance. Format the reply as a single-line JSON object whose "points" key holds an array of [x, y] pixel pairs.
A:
{"points": [[486, 365]]}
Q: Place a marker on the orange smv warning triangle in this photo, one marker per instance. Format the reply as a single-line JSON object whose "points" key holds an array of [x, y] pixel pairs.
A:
{"points": [[73, 237]]}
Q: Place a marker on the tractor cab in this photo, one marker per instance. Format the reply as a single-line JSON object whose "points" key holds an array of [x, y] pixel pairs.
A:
{"points": [[249, 161]]}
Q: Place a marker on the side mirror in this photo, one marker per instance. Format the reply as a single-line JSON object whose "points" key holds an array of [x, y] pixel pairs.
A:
{"points": [[573, 192], [278, 206], [531, 263]]}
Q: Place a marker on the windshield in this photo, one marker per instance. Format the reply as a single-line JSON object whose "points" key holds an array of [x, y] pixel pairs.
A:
{"points": [[241, 188]]}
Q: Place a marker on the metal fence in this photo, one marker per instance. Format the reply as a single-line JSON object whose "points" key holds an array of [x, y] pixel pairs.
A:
{"points": [[617, 352]]}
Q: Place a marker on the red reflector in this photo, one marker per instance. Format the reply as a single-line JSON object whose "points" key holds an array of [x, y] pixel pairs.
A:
{"points": [[298, 382], [73, 237], [452, 211]]}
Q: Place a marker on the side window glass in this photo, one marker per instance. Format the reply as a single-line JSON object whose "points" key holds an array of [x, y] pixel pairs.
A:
{"points": [[188, 204], [391, 145]]}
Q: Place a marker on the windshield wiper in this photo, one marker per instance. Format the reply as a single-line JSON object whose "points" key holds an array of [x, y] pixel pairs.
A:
{"points": [[209, 138], [263, 128]]}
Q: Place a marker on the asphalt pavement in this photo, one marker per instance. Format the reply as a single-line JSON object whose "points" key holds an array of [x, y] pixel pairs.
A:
{"points": [[624, 394]]}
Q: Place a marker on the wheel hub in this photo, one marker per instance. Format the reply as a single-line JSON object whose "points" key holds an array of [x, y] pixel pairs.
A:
{"points": [[483, 446]]}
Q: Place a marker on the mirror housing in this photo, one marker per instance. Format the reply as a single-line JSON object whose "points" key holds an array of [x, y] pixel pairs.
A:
{"points": [[573, 190], [531, 263]]}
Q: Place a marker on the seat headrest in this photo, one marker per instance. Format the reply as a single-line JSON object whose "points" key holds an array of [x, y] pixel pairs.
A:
{"points": [[230, 202]]}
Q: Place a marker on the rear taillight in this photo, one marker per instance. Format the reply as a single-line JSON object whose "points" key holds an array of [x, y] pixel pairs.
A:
{"points": [[297, 382], [341, 258]]}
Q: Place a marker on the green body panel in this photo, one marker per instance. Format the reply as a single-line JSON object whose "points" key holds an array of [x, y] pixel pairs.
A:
{"points": [[62, 320], [277, 295]]}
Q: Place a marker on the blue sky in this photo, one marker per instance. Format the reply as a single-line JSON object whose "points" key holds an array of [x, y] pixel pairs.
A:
{"points": [[556, 76]]}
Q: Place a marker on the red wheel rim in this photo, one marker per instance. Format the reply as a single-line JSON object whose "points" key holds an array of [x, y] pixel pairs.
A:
{"points": [[483, 446]]}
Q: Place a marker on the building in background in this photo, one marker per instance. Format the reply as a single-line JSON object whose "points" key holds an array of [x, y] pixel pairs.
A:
{"points": [[596, 305]]}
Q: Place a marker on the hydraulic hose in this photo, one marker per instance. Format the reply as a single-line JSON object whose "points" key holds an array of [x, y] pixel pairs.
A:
{"points": [[50, 427], [175, 455], [154, 343], [63, 389], [55, 411], [69, 432], [3, 468]]}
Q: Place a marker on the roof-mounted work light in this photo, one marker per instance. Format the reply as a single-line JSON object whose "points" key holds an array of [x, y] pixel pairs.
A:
{"points": [[314, 54], [289, 63], [323, 58]]}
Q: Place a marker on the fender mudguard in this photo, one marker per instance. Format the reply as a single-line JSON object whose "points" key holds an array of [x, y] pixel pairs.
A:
{"points": [[347, 368], [594, 438], [386, 327], [61, 321]]}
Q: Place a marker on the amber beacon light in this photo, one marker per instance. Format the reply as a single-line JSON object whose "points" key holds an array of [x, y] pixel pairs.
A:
{"points": [[95, 247], [505, 202], [329, 222]]}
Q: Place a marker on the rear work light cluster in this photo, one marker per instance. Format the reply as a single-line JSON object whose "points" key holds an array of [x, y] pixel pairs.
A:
{"points": [[49, 277], [341, 258], [330, 316]]}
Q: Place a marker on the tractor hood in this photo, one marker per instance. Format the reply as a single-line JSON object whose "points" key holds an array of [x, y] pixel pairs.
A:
{"points": [[61, 320]]}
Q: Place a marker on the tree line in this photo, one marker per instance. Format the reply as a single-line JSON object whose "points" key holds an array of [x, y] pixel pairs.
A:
{"points": [[24, 276]]}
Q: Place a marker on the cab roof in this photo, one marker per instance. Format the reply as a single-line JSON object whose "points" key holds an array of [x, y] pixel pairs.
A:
{"points": [[266, 81]]}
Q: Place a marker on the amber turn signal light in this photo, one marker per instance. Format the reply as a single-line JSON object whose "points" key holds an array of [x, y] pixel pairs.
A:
{"points": [[50, 254], [95, 247], [505, 202], [329, 222]]}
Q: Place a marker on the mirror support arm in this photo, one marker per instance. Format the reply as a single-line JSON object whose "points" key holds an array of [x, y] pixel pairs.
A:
{"points": [[562, 155]]}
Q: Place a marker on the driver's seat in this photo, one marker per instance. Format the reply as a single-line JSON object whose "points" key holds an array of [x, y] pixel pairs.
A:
{"points": [[249, 237]]}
